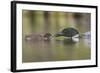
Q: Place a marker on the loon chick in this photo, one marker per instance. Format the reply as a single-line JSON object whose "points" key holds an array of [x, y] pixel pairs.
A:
{"points": [[38, 37]]}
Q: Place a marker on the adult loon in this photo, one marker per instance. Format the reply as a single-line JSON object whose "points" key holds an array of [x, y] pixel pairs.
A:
{"points": [[73, 33], [68, 32]]}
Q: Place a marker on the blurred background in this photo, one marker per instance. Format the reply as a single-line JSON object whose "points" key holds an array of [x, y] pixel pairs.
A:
{"points": [[54, 50], [46, 21]]}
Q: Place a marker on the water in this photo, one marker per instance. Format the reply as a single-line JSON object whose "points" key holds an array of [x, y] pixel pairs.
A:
{"points": [[55, 49]]}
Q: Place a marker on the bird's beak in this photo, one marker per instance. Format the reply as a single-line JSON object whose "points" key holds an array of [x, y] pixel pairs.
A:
{"points": [[58, 34]]}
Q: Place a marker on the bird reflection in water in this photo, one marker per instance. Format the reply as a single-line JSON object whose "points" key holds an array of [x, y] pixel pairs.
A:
{"points": [[68, 43]]}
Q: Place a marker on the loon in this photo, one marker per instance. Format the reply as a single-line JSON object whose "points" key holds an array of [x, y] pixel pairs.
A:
{"points": [[73, 33], [38, 37], [68, 32]]}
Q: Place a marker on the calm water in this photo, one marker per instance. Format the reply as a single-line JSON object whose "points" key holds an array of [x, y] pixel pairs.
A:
{"points": [[55, 49]]}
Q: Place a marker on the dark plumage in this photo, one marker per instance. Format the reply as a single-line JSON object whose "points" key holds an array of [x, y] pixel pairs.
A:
{"points": [[68, 32]]}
